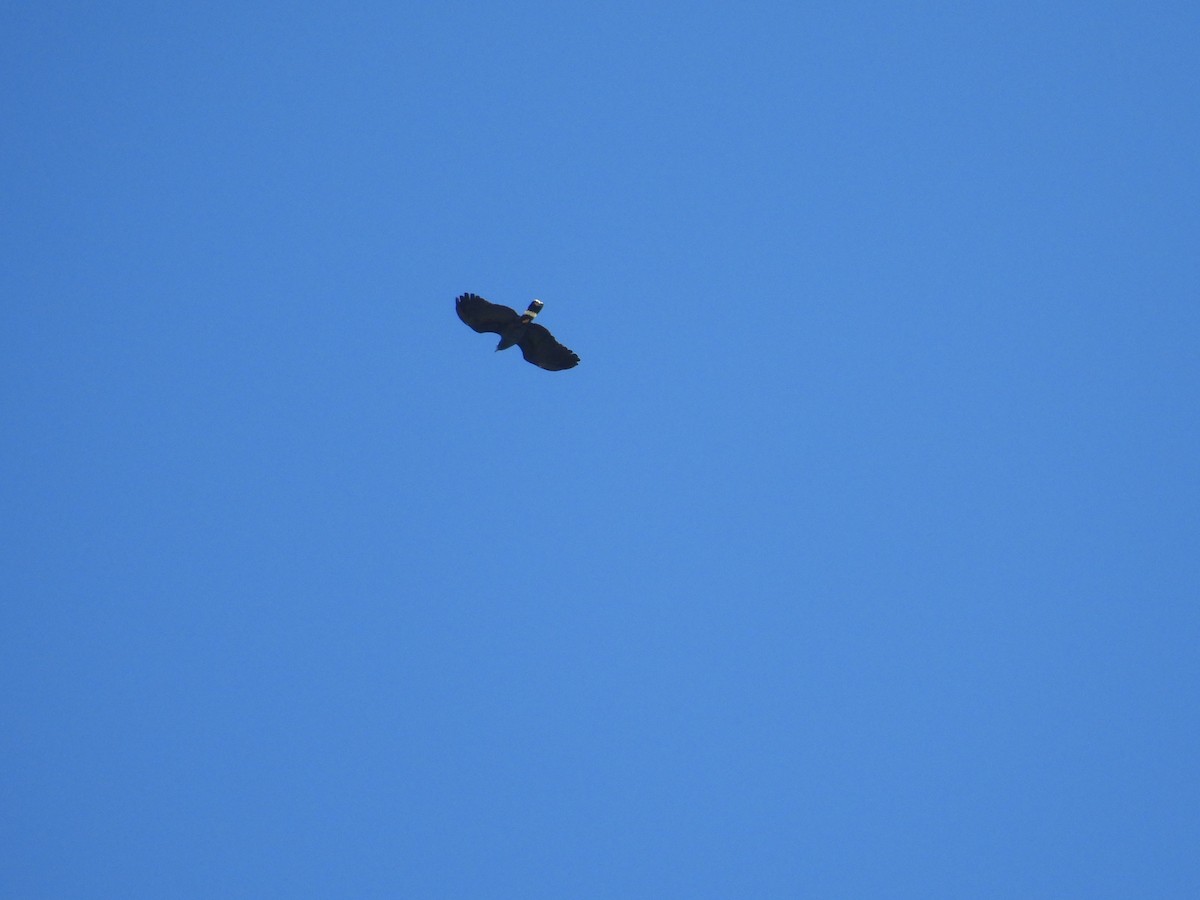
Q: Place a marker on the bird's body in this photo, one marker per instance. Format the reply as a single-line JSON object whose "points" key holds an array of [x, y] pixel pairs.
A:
{"points": [[538, 345]]}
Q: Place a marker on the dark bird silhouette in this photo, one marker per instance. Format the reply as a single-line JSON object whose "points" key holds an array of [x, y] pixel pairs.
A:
{"points": [[538, 345]]}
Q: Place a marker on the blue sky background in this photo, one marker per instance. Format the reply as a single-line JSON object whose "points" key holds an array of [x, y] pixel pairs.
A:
{"points": [[858, 558]]}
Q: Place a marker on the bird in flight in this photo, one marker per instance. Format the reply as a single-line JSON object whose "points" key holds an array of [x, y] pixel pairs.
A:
{"points": [[538, 345]]}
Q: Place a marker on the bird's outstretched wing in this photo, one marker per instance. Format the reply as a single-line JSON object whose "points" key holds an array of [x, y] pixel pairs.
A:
{"points": [[484, 316], [539, 347]]}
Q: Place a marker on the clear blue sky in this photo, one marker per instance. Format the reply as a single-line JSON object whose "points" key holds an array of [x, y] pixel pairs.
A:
{"points": [[860, 557]]}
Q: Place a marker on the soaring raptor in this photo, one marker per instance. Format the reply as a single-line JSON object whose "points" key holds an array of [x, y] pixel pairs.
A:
{"points": [[538, 345]]}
